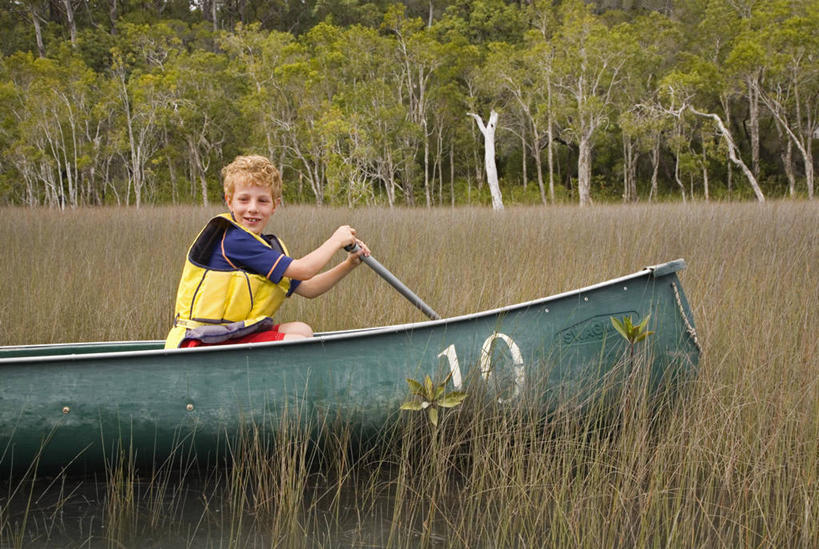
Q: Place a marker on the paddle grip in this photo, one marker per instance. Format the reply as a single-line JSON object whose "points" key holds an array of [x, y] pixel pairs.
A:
{"points": [[394, 282]]}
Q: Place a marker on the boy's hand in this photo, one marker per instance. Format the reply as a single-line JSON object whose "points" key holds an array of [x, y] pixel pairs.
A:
{"points": [[344, 236], [362, 251]]}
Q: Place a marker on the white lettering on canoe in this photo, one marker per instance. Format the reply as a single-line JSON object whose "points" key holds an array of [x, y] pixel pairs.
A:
{"points": [[452, 356], [517, 360]]}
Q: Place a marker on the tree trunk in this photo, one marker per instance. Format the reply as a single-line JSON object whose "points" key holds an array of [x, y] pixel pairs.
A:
{"points": [[753, 114], [113, 15], [629, 170], [38, 31], [72, 24], [787, 159], [523, 157], [732, 152], [804, 144], [550, 156], [488, 132], [584, 169], [439, 162], [704, 170], [198, 165], [452, 174], [655, 166], [476, 164], [677, 170], [426, 165], [539, 169]]}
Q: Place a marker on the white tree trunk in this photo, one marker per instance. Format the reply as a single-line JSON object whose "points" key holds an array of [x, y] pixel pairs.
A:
{"points": [[72, 24], [732, 152], [804, 144], [584, 169], [488, 132], [38, 32]]}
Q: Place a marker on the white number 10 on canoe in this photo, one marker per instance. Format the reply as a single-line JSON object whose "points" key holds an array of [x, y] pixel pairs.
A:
{"points": [[486, 362]]}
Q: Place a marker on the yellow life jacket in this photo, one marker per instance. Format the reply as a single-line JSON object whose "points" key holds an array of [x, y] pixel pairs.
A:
{"points": [[215, 305]]}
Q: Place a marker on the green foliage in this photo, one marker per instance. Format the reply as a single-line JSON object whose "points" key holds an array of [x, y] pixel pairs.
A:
{"points": [[364, 103], [633, 333], [431, 397]]}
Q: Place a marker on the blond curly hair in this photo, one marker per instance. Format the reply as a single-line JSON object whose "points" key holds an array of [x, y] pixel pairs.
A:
{"points": [[254, 170]]}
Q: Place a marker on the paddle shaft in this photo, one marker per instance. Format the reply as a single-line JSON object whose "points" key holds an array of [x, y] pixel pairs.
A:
{"points": [[394, 282]]}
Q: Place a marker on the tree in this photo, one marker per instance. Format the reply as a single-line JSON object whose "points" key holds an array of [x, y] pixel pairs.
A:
{"points": [[270, 65], [143, 96], [589, 63], [675, 86], [525, 75], [52, 105], [790, 90], [420, 56], [640, 120], [198, 110], [488, 131]]}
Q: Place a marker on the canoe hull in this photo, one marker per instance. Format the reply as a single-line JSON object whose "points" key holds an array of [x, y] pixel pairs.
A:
{"points": [[76, 404]]}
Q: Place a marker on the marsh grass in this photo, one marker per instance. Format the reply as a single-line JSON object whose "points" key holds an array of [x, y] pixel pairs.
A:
{"points": [[731, 462]]}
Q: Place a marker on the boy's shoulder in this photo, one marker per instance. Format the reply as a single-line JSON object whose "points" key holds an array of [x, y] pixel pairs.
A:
{"points": [[236, 237]]}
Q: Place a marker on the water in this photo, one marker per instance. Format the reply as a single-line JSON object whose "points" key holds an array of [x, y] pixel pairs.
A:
{"points": [[195, 510]]}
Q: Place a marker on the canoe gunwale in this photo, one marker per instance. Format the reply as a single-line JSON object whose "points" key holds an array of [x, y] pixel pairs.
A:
{"points": [[658, 270]]}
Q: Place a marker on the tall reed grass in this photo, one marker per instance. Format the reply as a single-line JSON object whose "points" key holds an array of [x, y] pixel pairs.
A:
{"points": [[735, 462]]}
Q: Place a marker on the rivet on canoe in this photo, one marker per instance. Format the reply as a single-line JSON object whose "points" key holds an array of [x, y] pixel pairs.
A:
{"points": [[625, 288], [189, 407], [585, 299], [66, 409], [546, 309]]}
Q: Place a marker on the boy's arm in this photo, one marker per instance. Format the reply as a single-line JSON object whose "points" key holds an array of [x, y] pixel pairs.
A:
{"points": [[322, 282], [309, 266]]}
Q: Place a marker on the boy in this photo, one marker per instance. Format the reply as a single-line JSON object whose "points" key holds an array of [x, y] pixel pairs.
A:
{"points": [[235, 278]]}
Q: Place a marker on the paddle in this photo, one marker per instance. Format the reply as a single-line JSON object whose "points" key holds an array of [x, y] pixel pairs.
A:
{"points": [[394, 282]]}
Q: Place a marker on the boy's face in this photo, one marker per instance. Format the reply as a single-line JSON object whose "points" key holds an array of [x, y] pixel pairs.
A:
{"points": [[252, 206]]}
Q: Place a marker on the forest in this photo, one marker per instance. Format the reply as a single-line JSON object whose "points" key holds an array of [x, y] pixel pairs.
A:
{"points": [[137, 102]]}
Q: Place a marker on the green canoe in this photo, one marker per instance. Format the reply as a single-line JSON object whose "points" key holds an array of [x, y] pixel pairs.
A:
{"points": [[76, 403]]}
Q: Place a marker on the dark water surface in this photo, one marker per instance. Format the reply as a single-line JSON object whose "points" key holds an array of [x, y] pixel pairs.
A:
{"points": [[192, 512]]}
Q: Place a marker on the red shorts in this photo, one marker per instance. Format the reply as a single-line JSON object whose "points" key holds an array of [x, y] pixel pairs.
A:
{"points": [[268, 335]]}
